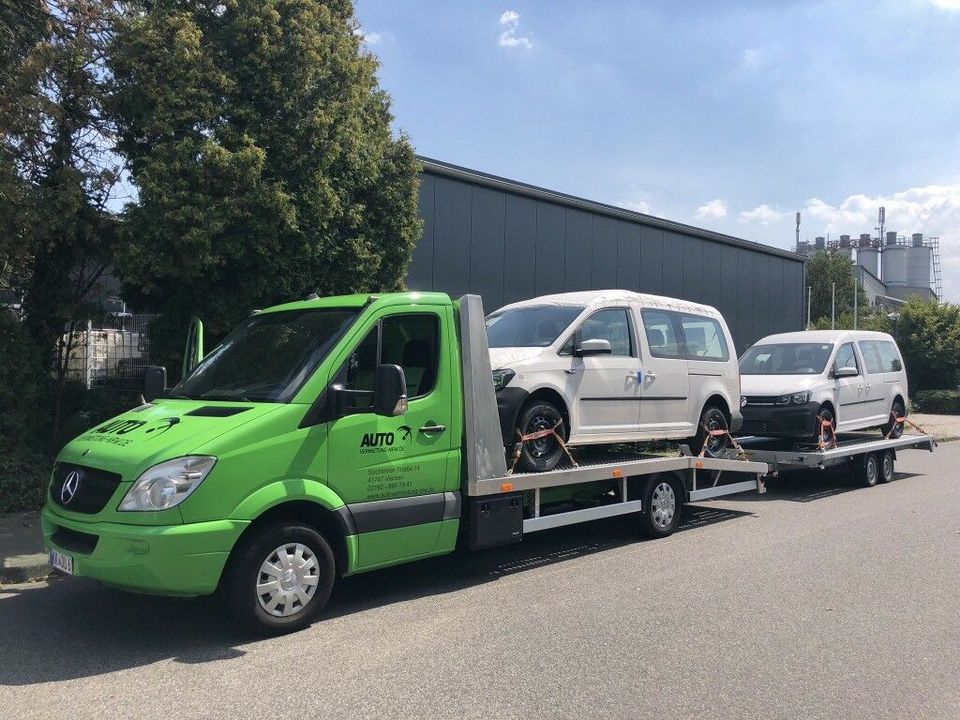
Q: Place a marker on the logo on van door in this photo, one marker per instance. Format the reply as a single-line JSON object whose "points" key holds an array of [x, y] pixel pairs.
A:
{"points": [[386, 441]]}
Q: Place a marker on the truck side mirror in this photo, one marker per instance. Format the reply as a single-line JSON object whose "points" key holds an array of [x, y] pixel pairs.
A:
{"points": [[154, 382], [389, 391]]}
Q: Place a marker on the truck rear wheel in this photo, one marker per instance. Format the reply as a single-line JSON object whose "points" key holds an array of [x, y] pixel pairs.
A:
{"points": [[662, 505], [280, 578]]}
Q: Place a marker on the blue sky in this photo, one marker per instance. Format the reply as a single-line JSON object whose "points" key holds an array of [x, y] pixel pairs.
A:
{"points": [[726, 115]]}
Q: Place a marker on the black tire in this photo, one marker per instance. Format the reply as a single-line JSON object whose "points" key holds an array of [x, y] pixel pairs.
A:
{"points": [[825, 414], [868, 470], [239, 589], [712, 418], [656, 519], [543, 454], [893, 429], [887, 466]]}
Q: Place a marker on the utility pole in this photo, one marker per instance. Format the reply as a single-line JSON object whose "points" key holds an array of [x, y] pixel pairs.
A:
{"points": [[856, 287], [833, 306], [797, 246], [809, 301]]}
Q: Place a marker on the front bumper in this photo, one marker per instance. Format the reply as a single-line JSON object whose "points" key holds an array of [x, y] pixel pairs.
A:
{"points": [[780, 421], [159, 559]]}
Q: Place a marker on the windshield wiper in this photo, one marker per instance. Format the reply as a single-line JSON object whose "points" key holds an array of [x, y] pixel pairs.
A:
{"points": [[229, 398]]}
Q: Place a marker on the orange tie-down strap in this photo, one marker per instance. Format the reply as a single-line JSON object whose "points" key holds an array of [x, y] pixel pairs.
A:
{"points": [[822, 445], [905, 420], [537, 435], [741, 455]]}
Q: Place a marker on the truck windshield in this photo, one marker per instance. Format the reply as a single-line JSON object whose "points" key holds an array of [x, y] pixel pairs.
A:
{"points": [[535, 326], [786, 359], [268, 357]]}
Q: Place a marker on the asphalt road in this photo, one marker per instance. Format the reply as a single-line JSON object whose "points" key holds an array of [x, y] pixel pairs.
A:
{"points": [[817, 600]]}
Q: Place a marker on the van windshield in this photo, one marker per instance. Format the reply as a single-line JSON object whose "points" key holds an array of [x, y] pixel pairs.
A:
{"points": [[268, 357], [533, 326], [786, 359]]}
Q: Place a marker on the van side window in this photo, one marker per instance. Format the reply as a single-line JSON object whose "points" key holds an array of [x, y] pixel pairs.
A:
{"points": [[846, 357], [889, 357], [611, 325], [871, 356], [410, 341], [703, 338], [661, 334]]}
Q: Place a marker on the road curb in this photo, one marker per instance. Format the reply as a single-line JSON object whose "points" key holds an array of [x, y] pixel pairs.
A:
{"points": [[22, 569]]}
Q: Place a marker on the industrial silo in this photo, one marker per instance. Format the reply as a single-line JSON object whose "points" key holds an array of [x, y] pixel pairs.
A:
{"points": [[893, 263], [918, 263], [844, 246], [868, 256]]}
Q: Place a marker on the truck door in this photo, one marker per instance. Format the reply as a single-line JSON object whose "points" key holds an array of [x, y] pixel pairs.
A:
{"points": [[392, 471], [664, 405]]}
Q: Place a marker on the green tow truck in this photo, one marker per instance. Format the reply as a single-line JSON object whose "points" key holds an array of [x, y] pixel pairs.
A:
{"points": [[324, 438]]}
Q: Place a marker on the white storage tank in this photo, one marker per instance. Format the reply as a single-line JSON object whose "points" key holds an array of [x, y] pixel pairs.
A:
{"points": [[894, 265], [918, 263], [868, 257]]}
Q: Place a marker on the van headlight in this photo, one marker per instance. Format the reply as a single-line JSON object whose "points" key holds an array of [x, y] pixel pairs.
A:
{"points": [[502, 378], [167, 484], [800, 398]]}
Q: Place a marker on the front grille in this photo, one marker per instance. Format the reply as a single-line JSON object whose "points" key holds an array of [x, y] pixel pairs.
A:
{"points": [[762, 399], [94, 488], [75, 540]]}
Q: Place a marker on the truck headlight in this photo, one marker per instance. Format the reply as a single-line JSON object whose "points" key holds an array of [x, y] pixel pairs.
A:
{"points": [[167, 484], [800, 398], [502, 378]]}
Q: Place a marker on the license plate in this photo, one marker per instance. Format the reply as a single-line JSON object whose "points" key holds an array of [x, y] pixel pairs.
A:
{"points": [[61, 562]]}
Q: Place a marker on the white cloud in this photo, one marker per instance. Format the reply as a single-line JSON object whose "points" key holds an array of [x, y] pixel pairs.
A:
{"points": [[947, 4], [640, 205], [751, 58], [763, 214], [712, 210], [372, 38], [510, 22]]}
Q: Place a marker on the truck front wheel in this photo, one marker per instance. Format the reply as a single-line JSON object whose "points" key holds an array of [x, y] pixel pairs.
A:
{"points": [[280, 578]]}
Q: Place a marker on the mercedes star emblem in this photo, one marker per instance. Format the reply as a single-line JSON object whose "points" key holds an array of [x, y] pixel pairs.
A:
{"points": [[70, 485]]}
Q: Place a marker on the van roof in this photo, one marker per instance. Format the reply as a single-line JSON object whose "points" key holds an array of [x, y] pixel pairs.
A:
{"points": [[601, 298], [823, 336]]}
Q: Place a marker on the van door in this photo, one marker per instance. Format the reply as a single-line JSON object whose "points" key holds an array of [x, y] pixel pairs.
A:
{"points": [[664, 402], [851, 391], [393, 471], [606, 386], [885, 376]]}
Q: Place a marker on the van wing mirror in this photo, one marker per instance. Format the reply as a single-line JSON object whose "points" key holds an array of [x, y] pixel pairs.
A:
{"points": [[845, 371], [389, 391], [154, 382], [594, 346]]}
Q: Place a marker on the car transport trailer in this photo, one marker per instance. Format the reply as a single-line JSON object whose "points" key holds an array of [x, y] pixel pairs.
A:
{"points": [[869, 458]]}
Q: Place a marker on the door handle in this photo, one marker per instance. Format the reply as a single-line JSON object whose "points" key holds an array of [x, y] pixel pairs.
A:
{"points": [[571, 371], [652, 376], [432, 429]]}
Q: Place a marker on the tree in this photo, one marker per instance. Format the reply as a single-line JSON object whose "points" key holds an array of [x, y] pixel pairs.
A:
{"points": [[823, 270], [58, 171], [261, 149], [929, 338]]}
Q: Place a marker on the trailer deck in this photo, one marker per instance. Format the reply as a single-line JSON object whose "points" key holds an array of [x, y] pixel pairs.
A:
{"points": [[787, 455]]}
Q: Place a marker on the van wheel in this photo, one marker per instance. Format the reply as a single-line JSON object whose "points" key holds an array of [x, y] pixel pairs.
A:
{"points": [[662, 505], [892, 428], [887, 467], [712, 418], [280, 578], [544, 453], [868, 470]]}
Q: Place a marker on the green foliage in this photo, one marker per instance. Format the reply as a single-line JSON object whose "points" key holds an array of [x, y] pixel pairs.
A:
{"points": [[944, 402], [823, 270], [871, 321], [261, 148], [23, 480], [929, 338]]}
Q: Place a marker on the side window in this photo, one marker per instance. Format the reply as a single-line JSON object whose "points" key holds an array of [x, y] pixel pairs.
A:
{"points": [[661, 334], [889, 356], [410, 341], [611, 325], [871, 356], [704, 338], [846, 357]]}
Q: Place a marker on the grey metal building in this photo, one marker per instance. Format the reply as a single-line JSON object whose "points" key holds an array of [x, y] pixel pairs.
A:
{"points": [[510, 241]]}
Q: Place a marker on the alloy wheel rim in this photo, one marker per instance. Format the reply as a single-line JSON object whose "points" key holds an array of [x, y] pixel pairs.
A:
{"points": [[887, 467], [288, 579], [871, 469], [664, 504]]}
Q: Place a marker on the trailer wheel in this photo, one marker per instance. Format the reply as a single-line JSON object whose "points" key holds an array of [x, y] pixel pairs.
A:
{"points": [[662, 506], [280, 578], [868, 470], [886, 466]]}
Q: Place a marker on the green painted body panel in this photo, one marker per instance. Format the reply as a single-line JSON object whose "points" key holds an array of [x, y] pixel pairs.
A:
{"points": [[265, 459]]}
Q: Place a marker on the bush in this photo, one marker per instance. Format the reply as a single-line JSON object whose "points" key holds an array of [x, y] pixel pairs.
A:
{"points": [[944, 402], [23, 480]]}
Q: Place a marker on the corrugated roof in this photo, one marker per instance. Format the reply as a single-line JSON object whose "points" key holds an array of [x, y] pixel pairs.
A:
{"points": [[443, 169]]}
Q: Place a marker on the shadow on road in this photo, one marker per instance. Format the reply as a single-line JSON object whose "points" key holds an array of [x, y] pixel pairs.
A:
{"points": [[75, 628], [804, 486]]}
